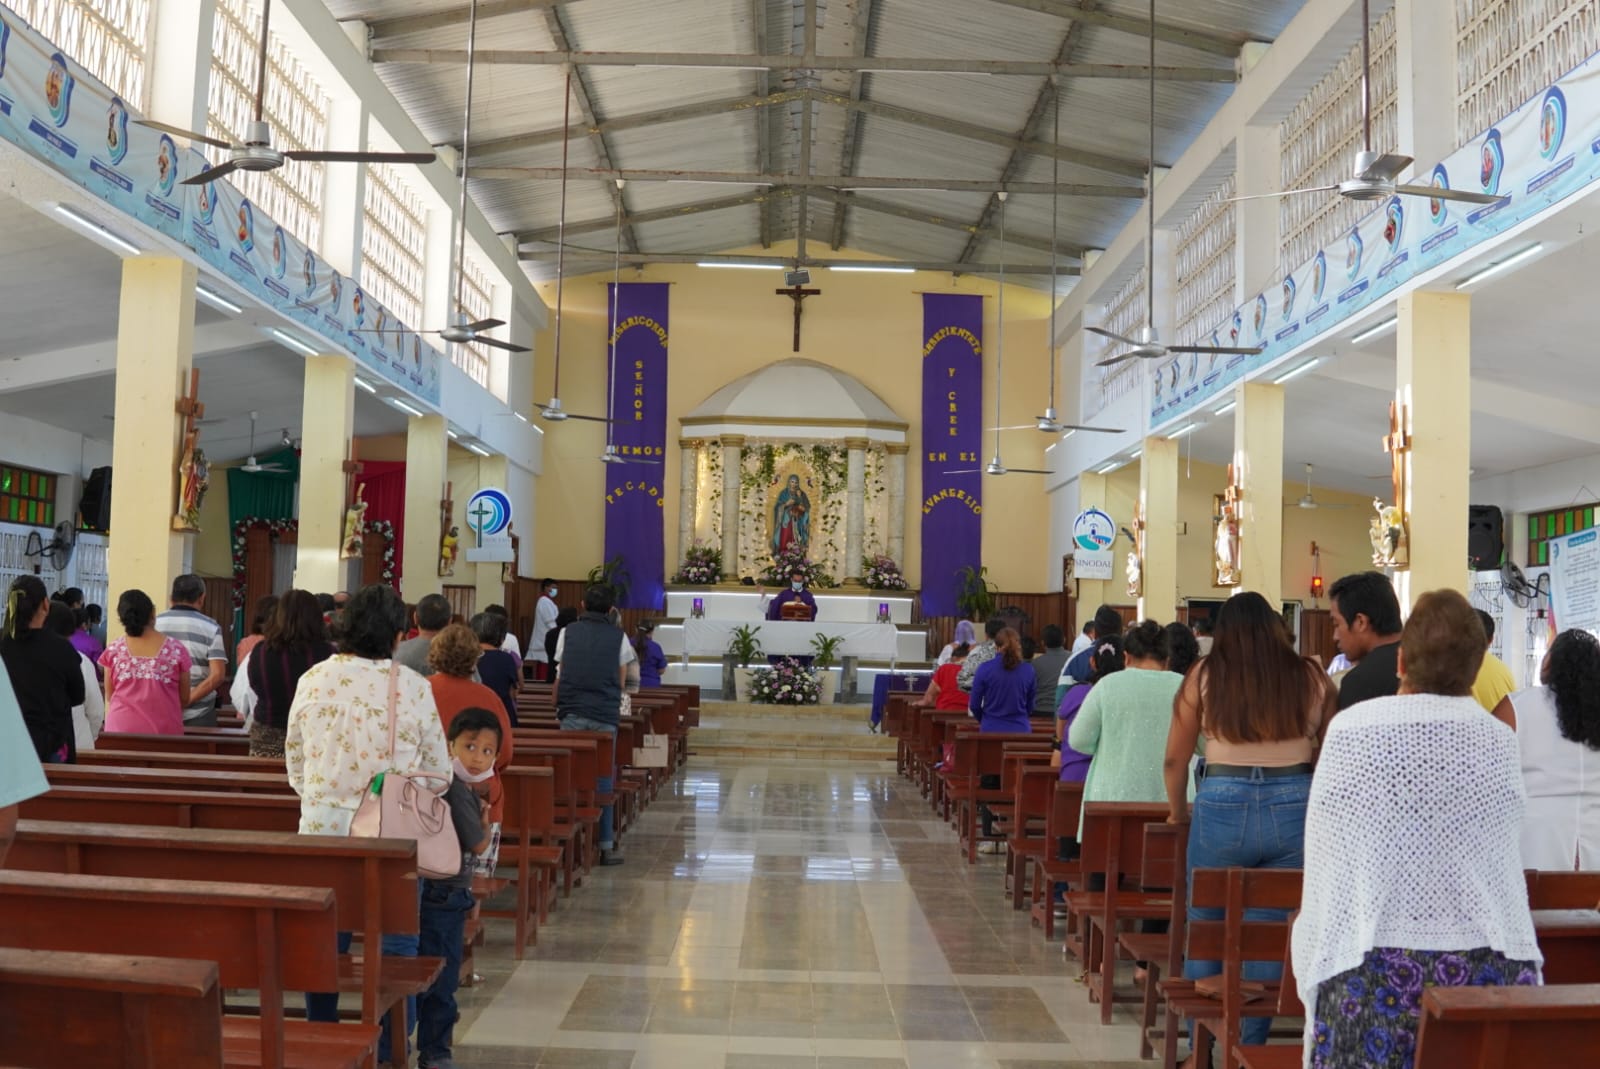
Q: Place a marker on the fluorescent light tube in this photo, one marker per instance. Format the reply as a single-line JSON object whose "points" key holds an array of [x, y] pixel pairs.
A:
{"points": [[395, 402], [744, 267], [1295, 373], [1502, 265], [478, 449], [93, 229], [1225, 409], [878, 270], [454, 437], [520, 416], [297, 345], [1109, 468], [365, 385], [1374, 330], [218, 301], [1181, 431], [1136, 454]]}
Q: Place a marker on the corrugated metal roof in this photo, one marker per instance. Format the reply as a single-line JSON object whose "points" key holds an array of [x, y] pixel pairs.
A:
{"points": [[962, 126]]}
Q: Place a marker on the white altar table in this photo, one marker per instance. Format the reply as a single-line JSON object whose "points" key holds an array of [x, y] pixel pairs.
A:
{"points": [[868, 641]]}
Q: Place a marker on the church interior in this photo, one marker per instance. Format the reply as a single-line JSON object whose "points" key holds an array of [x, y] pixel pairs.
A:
{"points": [[839, 348]]}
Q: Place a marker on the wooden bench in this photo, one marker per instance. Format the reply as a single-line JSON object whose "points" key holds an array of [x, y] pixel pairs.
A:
{"points": [[177, 760], [189, 779], [238, 745], [1164, 867], [1066, 808], [166, 808], [374, 882], [264, 937], [1509, 1027], [1563, 890], [527, 836], [978, 754], [1027, 841], [109, 1011]]}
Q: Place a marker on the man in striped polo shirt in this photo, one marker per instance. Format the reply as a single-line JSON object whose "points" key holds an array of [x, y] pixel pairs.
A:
{"points": [[203, 637]]}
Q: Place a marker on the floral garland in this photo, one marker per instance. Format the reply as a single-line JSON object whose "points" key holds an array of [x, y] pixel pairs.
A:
{"points": [[382, 528], [786, 683], [882, 573], [702, 566]]}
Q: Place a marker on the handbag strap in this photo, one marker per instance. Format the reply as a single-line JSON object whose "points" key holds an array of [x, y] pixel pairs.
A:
{"points": [[394, 702]]}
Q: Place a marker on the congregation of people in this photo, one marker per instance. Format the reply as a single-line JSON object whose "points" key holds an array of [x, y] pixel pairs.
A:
{"points": [[1412, 786]]}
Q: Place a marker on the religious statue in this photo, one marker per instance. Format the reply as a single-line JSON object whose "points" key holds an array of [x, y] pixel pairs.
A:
{"points": [[1388, 536], [791, 518], [354, 523], [1135, 572], [448, 547], [194, 479], [1225, 565]]}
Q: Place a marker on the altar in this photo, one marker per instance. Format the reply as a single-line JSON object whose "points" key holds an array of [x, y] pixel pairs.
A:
{"points": [[864, 641]]}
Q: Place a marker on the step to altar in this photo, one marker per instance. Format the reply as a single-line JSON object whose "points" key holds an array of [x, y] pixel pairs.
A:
{"points": [[811, 733]]}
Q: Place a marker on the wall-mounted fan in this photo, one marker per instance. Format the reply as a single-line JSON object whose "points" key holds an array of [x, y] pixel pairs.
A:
{"points": [[256, 153], [1309, 501], [1146, 343], [1375, 172], [58, 551], [250, 464]]}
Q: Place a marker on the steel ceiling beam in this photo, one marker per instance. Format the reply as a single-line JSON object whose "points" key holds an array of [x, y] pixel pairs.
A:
{"points": [[808, 49], [603, 259], [680, 113], [850, 145], [1081, 12], [819, 181], [881, 207], [378, 29], [869, 64], [758, 15], [546, 235], [597, 140]]}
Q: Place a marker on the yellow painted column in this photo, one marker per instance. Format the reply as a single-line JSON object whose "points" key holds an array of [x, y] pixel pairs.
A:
{"points": [[427, 448], [326, 422], [1093, 593], [155, 351], [1158, 496], [488, 576], [1433, 384], [1258, 469]]}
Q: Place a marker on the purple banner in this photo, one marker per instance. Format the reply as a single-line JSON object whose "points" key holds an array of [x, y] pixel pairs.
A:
{"points": [[635, 527], [952, 440]]}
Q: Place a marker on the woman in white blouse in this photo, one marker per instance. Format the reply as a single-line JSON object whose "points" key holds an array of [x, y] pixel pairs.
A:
{"points": [[1558, 732], [1412, 873]]}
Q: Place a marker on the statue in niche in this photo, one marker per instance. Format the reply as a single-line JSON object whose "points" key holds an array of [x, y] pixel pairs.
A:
{"points": [[791, 518], [353, 545]]}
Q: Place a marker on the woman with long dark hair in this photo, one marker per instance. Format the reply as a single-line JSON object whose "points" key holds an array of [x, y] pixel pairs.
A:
{"points": [[294, 639], [89, 717], [147, 672], [1558, 734], [266, 606], [43, 668], [1260, 708], [1123, 722]]}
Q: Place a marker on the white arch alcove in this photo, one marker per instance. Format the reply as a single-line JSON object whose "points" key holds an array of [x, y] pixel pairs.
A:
{"points": [[799, 413]]}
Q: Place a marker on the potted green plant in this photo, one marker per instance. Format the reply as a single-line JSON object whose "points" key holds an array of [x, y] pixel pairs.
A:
{"points": [[977, 597], [743, 647], [614, 574], [825, 649]]}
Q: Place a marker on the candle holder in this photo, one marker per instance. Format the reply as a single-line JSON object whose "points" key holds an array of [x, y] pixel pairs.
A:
{"points": [[883, 612], [698, 609]]}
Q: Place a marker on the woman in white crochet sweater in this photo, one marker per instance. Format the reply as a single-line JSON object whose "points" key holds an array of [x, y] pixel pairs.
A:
{"points": [[1412, 870]]}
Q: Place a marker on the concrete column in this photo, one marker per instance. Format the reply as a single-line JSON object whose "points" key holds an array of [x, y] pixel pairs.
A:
{"points": [[1426, 62], [732, 457], [855, 520], [427, 449], [155, 350], [897, 501], [1093, 593], [1258, 468], [327, 420], [1255, 250], [1158, 498], [1434, 385], [344, 187], [688, 493], [489, 575], [178, 73]]}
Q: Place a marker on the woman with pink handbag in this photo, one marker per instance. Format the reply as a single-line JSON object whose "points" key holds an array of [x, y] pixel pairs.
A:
{"points": [[356, 716]]}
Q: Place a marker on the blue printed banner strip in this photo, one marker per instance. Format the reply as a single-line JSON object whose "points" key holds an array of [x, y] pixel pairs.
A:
{"points": [[952, 440], [635, 524]]}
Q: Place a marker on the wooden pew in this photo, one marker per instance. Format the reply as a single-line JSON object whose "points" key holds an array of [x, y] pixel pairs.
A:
{"points": [[1563, 890], [1066, 807], [167, 779], [231, 743], [1027, 841], [1164, 867], [166, 808], [169, 759], [525, 837], [374, 882], [264, 937], [109, 1011], [1509, 1027], [979, 754]]}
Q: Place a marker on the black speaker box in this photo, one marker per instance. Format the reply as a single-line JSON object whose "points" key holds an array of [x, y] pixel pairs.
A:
{"points": [[1485, 538], [95, 509]]}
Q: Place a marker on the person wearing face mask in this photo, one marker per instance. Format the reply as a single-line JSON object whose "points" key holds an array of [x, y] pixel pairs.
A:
{"points": [[797, 592], [544, 618]]}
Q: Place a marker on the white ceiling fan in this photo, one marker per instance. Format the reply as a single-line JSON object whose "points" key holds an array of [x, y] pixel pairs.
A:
{"points": [[256, 153], [1146, 343], [1375, 173], [253, 466], [996, 466], [1308, 501], [551, 410]]}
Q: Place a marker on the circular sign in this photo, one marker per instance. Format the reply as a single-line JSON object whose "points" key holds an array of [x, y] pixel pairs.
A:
{"points": [[488, 512], [1093, 531]]}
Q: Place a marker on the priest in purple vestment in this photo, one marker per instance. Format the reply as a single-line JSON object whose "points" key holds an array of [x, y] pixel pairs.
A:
{"points": [[797, 592]]}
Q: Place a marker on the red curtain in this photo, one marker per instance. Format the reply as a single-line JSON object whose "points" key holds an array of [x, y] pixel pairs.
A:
{"points": [[384, 490]]}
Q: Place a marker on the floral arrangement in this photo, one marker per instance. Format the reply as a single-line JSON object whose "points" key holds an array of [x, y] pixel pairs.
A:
{"points": [[793, 560], [381, 528], [702, 566], [882, 573], [786, 683]]}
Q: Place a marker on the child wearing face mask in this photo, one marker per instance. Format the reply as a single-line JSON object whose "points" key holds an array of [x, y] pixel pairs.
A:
{"points": [[475, 739]]}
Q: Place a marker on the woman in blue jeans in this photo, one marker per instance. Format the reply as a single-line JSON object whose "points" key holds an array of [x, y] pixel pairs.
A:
{"points": [[1260, 708]]}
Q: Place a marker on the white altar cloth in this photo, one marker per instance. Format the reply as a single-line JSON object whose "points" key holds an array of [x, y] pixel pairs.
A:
{"points": [[872, 642]]}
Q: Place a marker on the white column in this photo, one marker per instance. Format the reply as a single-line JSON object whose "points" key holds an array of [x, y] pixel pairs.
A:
{"points": [[1165, 307], [855, 520], [688, 493], [344, 187], [1425, 54], [897, 502], [327, 421], [732, 458], [179, 68], [439, 263], [427, 453], [1255, 249]]}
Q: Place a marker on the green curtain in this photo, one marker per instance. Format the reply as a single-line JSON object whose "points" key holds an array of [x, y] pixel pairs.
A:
{"points": [[264, 495]]}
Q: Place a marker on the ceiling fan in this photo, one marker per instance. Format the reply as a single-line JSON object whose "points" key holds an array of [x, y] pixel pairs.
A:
{"points": [[1376, 172], [1048, 423], [611, 455], [1146, 343], [551, 410], [1308, 501], [996, 466], [251, 465], [256, 153]]}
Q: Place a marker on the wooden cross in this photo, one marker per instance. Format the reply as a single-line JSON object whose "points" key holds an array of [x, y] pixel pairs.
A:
{"points": [[1234, 494], [798, 294], [192, 468], [1397, 443]]}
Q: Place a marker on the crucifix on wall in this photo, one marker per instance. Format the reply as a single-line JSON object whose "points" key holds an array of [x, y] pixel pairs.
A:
{"points": [[1397, 443], [797, 293], [1390, 534]]}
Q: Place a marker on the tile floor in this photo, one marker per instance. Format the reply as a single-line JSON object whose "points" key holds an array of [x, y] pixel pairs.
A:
{"points": [[788, 917]]}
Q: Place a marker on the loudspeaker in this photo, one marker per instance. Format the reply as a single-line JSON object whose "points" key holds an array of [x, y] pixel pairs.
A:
{"points": [[1485, 537], [95, 508]]}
